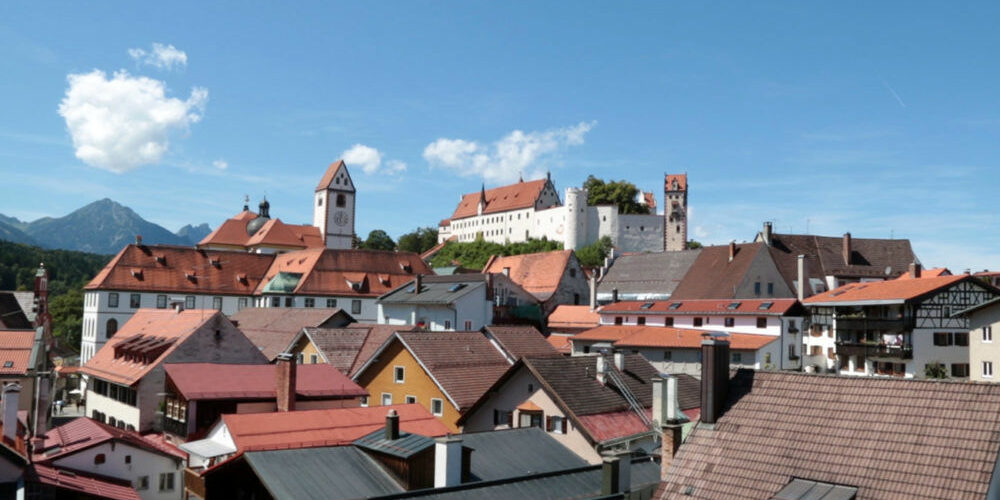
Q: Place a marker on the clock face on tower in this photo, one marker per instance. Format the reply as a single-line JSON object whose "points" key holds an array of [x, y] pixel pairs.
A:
{"points": [[340, 218]]}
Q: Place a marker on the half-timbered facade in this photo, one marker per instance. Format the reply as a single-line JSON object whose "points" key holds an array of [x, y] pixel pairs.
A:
{"points": [[902, 328]]}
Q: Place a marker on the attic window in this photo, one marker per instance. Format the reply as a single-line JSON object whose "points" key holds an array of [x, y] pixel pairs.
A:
{"points": [[8, 364], [647, 305], [137, 274], [675, 305], [765, 306], [242, 278], [734, 305], [405, 266], [191, 276], [456, 287], [214, 261], [384, 279]]}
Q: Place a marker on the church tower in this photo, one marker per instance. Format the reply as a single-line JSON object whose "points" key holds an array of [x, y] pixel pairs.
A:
{"points": [[333, 208], [675, 203]]}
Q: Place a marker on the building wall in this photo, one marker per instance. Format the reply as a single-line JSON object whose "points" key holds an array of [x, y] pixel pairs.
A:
{"points": [[349, 303], [378, 378], [639, 233], [572, 289], [113, 408], [981, 350], [472, 307], [521, 388], [819, 339], [143, 463]]}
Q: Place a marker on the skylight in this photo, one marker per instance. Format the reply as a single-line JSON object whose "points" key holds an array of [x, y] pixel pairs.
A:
{"points": [[647, 305], [765, 306], [675, 305], [456, 287], [733, 305]]}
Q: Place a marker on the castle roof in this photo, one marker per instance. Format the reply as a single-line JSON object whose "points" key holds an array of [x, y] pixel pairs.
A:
{"points": [[501, 199]]}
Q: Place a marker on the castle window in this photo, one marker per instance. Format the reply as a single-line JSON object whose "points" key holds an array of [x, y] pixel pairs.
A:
{"points": [[341, 200], [113, 299], [678, 229], [111, 328], [319, 202]]}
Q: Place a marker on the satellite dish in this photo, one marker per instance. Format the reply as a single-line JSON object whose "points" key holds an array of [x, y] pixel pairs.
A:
{"points": [[888, 270]]}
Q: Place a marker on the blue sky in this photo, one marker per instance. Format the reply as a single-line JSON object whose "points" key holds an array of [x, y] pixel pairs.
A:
{"points": [[876, 118]]}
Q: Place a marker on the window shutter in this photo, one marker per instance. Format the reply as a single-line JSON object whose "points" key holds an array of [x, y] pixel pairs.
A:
{"points": [[564, 425], [548, 424]]}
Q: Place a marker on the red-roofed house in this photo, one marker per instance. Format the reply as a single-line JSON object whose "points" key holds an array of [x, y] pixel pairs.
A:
{"points": [[85, 446], [42, 481], [199, 393], [259, 233], [127, 375], [554, 278], [902, 328]]}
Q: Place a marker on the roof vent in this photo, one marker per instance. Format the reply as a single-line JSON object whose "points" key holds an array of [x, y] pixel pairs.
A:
{"points": [[242, 278], [647, 305], [191, 276], [215, 262], [137, 274], [161, 259], [406, 267]]}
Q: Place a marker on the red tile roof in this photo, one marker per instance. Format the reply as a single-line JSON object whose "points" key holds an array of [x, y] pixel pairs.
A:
{"points": [[330, 272], [166, 269], [464, 364], [90, 485], [163, 324], [682, 181], [331, 171], [333, 427], [573, 317], [611, 425], [275, 233], [538, 273], [650, 199], [15, 348], [83, 433], [377, 335], [927, 273], [752, 307], [561, 343], [713, 275], [232, 232], [196, 381], [273, 328], [667, 337], [501, 199], [891, 290]]}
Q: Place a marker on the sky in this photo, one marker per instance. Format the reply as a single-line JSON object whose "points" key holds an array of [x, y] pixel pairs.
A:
{"points": [[875, 118]]}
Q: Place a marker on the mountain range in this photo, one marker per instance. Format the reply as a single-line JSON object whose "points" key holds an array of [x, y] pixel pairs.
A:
{"points": [[102, 227]]}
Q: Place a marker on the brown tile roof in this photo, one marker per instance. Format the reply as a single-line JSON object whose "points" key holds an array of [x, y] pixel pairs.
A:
{"points": [[573, 317], [713, 275], [199, 381], [870, 257], [331, 171], [275, 233], [501, 199], [349, 347], [377, 335], [538, 273], [884, 436], [163, 268], [273, 328], [330, 272], [15, 348], [521, 341], [464, 364], [734, 307], [667, 337], [232, 231], [682, 181], [891, 290]]}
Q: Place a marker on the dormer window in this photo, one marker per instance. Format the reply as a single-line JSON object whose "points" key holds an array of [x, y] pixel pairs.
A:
{"points": [[341, 200]]}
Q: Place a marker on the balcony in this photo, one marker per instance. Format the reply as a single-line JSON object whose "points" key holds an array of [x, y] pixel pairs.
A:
{"points": [[901, 351], [873, 324]]}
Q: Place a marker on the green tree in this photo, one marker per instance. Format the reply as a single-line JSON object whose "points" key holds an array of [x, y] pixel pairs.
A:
{"points": [[379, 240], [935, 370], [419, 241], [621, 193], [67, 318], [593, 254], [692, 245], [474, 254]]}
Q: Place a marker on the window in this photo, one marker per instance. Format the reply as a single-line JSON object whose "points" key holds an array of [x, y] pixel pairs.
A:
{"points": [[668, 321], [167, 481], [767, 355], [399, 374], [161, 301], [447, 324], [586, 349], [737, 358], [668, 355], [641, 320], [341, 200], [756, 288], [189, 302], [618, 320], [111, 328], [289, 301], [987, 334], [319, 201], [942, 338], [310, 302], [411, 399], [364, 401], [99, 458], [217, 303], [501, 417], [556, 425], [142, 483], [437, 407], [815, 350], [530, 419], [301, 358], [762, 322], [961, 338], [134, 300], [697, 322], [730, 322], [987, 369], [113, 299], [331, 303], [468, 326], [386, 399], [128, 459], [770, 289], [275, 301], [242, 303], [960, 369], [313, 359], [355, 307]]}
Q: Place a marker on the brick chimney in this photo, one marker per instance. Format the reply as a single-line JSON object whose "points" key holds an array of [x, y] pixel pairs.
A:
{"points": [[285, 381], [915, 269], [732, 250], [766, 233], [9, 401], [846, 251], [714, 376]]}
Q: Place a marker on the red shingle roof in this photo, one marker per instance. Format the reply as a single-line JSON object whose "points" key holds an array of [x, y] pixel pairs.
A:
{"points": [[538, 273], [891, 290], [713, 275], [668, 337], [197, 381], [682, 181], [333, 427], [93, 486], [15, 348], [82, 433], [752, 307], [522, 341], [501, 199], [573, 317], [331, 272]]}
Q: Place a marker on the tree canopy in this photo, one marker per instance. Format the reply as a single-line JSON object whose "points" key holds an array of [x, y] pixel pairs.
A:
{"points": [[474, 254], [593, 254], [621, 193], [378, 240], [419, 240]]}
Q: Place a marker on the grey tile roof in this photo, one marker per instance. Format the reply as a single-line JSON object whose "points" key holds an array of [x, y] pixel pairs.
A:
{"points": [[407, 445], [11, 315], [464, 363], [517, 452], [870, 257], [647, 273], [522, 341], [574, 381], [889, 438], [326, 473], [436, 289], [340, 346]]}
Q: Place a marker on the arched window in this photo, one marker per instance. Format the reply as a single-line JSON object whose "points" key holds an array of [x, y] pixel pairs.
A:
{"points": [[341, 200], [112, 328]]}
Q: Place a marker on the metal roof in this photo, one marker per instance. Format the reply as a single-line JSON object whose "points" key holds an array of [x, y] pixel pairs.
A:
{"points": [[535, 451], [406, 446], [327, 473], [804, 489], [435, 292]]}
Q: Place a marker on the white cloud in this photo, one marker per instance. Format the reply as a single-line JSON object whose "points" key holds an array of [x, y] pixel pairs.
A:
{"points": [[124, 122], [220, 164], [162, 56], [370, 160], [395, 166], [507, 159]]}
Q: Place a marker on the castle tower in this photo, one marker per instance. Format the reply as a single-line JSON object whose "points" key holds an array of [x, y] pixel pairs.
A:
{"points": [[575, 235], [675, 202], [333, 209]]}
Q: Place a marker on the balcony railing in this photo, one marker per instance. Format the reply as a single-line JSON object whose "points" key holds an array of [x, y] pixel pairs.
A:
{"points": [[873, 324], [900, 351]]}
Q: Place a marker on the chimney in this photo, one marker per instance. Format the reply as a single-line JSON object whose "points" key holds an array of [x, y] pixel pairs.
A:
{"points": [[667, 414], [417, 283], [803, 277], [615, 474], [138, 240], [392, 426], [285, 381], [714, 376], [593, 292], [846, 251], [619, 360], [9, 401], [732, 250], [447, 461], [766, 233], [915, 270], [614, 295], [602, 368]]}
